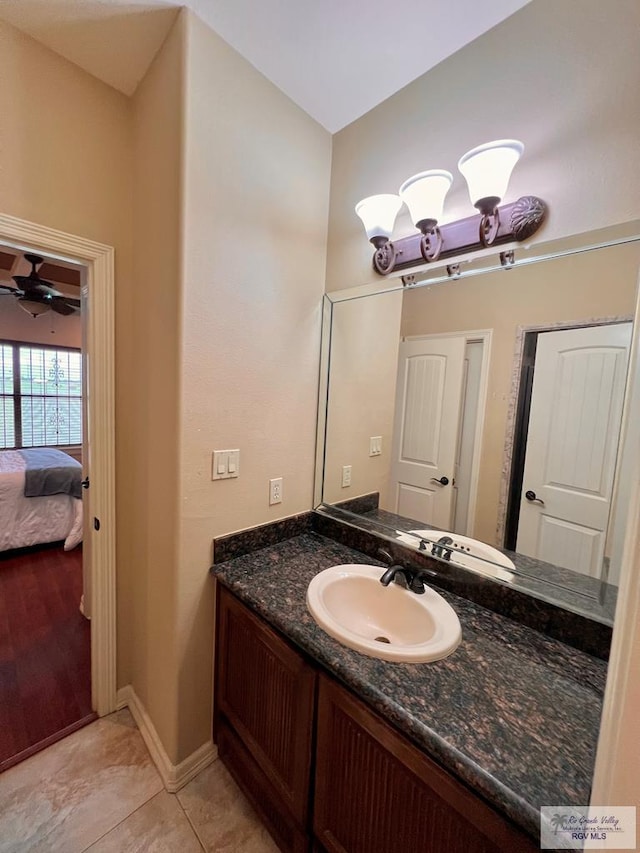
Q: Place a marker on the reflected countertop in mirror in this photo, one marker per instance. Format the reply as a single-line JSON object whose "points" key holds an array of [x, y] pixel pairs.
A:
{"points": [[586, 596], [431, 396]]}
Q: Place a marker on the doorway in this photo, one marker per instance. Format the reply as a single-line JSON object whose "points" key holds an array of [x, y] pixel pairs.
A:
{"points": [[45, 677], [97, 260]]}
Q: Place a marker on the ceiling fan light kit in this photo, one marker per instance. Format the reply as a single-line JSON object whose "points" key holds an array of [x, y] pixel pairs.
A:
{"points": [[487, 170], [37, 296]]}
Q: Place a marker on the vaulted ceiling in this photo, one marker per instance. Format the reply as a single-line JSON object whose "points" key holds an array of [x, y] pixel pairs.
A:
{"points": [[337, 59]]}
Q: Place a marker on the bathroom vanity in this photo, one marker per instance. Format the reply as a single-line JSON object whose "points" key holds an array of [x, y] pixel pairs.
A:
{"points": [[343, 752]]}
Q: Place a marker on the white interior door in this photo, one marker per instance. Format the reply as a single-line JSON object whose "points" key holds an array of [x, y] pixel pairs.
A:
{"points": [[574, 424], [426, 428]]}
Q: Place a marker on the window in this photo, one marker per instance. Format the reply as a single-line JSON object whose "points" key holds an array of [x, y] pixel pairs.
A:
{"points": [[40, 396]]}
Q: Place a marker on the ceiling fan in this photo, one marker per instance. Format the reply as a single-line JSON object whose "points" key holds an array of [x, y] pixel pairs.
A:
{"points": [[35, 295]]}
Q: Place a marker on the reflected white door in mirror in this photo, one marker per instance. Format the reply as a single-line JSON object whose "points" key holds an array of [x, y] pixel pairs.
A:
{"points": [[437, 411], [571, 446]]}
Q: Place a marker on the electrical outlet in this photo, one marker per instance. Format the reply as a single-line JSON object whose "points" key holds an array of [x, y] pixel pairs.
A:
{"points": [[275, 491], [346, 476], [375, 445]]}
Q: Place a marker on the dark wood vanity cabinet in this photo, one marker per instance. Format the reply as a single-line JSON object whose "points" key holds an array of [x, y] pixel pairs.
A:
{"points": [[265, 697], [371, 790], [377, 793]]}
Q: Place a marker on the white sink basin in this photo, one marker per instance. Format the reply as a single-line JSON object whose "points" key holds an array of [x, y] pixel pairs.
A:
{"points": [[472, 554], [390, 623]]}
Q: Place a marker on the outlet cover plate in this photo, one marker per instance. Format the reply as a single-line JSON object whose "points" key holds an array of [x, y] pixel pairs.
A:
{"points": [[275, 491]]}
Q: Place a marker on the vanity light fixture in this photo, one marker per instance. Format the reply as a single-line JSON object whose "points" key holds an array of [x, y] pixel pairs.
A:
{"points": [[424, 195], [378, 214], [487, 170]]}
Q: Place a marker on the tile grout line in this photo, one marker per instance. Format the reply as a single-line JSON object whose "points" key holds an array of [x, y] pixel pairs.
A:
{"points": [[120, 822], [186, 814]]}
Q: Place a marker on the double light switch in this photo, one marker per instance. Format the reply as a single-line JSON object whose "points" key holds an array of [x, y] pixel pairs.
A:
{"points": [[226, 464]]}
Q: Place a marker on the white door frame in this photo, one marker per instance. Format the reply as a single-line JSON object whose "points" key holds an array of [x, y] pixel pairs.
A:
{"points": [[98, 260], [485, 337], [619, 741]]}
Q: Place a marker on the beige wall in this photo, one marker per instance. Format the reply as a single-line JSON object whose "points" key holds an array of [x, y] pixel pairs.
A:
{"points": [[563, 77], [365, 336], [255, 218], [217, 315], [152, 600], [594, 285], [66, 162]]}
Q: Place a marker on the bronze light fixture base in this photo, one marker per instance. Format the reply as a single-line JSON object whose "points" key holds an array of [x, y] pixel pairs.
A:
{"points": [[492, 227]]}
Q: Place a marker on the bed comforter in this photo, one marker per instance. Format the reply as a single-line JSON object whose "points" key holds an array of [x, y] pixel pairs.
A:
{"points": [[34, 521]]}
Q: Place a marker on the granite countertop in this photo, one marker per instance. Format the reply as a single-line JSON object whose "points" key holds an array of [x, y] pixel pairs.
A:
{"points": [[513, 713]]}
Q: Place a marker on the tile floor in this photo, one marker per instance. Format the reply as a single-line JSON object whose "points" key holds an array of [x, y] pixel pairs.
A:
{"points": [[98, 790]]}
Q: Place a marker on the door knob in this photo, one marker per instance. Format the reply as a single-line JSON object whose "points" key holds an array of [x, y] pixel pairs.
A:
{"points": [[444, 481], [531, 497]]}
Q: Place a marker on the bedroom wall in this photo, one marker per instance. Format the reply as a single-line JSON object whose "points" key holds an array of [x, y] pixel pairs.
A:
{"points": [[50, 328], [66, 162], [256, 208], [564, 83]]}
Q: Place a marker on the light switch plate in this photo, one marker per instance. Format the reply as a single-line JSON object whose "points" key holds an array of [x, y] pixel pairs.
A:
{"points": [[225, 464], [346, 476], [375, 445]]}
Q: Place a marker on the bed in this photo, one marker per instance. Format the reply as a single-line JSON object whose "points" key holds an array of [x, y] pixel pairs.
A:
{"points": [[52, 511]]}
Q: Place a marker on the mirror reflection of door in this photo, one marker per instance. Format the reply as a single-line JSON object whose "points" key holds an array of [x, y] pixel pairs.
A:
{"points": [[571, 444], [434, 438]]}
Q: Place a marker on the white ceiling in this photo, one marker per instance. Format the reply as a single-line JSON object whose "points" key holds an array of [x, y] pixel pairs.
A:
{"points": [[337, 59]]}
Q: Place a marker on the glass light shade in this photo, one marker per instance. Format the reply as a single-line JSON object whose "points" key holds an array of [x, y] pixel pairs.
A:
{"points": [[488, 168], [33, 308], [378, 214], [424, 195]]}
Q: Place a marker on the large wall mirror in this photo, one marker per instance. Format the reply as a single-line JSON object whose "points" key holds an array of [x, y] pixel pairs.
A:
{"points": [[481, 418]]}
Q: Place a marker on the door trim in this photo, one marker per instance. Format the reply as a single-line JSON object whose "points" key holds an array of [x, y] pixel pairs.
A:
{"points": [[617, 745], [99, 262]]}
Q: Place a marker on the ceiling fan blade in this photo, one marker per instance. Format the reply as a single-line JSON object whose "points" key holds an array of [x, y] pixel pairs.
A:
{"points": [[8, 291], [73, 302], [35, 285], [59, 305]]}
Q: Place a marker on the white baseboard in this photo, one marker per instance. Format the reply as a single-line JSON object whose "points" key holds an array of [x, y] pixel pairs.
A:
{"points": [[174, 776]]}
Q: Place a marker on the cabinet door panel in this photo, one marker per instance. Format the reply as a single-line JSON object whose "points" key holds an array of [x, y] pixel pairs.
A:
{"points": [[375, 793], [283, 827], [266, 689]]}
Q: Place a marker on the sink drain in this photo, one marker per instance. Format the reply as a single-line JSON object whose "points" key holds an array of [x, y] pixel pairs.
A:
{"points": [[382, 639]]}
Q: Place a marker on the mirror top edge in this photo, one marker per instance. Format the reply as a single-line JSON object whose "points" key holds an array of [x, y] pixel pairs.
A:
{"points": [[527, 253]]}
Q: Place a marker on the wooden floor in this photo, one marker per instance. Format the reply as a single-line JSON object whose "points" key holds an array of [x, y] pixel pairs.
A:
{"points": [[45, 653]]}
